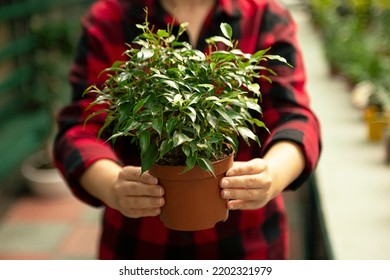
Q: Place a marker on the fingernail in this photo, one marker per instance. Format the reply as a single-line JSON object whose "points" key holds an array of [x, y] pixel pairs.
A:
{"points": [[153, 181], [162, 202], [226, 194], [231, 207], [230, 173], [225, 183], [161, 192]]}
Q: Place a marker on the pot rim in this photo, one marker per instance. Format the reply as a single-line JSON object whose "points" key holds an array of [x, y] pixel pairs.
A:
{"points": [[175, 173]]}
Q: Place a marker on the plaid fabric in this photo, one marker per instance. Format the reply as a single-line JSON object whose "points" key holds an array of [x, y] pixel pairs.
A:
{"points": [[256, 234]]}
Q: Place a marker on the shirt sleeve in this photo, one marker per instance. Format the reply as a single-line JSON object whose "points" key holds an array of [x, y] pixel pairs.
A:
{"points": [[286, 103], [77, 146]]}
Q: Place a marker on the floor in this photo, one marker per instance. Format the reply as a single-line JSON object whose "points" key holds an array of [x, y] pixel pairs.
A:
{"points": [[56, 228]]}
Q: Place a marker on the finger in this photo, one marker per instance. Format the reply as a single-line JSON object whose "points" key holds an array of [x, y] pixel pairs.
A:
{"points": [[244, 181], [145, 202], [141, 202], [133, 173], [247, 168], [245, 204], [130, 188], [138, 213], [243, 194]]}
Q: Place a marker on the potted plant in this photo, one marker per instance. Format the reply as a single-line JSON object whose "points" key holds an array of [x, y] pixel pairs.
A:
{"points": [[42, 177], [185, 109], [377, 114]]}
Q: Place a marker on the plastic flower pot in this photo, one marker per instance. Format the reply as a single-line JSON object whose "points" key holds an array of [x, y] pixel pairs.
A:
{"points": [[192, 199]]}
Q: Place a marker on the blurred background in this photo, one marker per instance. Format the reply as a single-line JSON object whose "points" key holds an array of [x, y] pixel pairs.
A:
{"points": [[342, 212]]}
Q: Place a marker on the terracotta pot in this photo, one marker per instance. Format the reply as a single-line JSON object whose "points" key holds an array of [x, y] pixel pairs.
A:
{"points": [[192, 199]]}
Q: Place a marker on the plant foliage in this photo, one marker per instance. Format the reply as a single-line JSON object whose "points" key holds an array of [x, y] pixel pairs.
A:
{"points": [[180, 105]]}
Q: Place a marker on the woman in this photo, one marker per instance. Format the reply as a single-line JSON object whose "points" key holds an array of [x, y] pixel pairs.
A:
{"points": [[100, 174]]}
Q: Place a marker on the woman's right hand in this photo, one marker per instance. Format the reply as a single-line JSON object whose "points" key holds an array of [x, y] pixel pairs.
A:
{"points": [[137, 195], [125, 189]]}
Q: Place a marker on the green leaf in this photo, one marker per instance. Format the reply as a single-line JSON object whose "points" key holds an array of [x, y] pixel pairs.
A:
{"points": [[194, 99], [94, 114], [170, 39], [186, 150], [116, 135], [144, 141], [171, 84], [191, 113], [259, 54], [183, 26], [196, 127], [247, 133], [205, 164], [190, 163], [278, 58], [212, 98], [227, 118], [171, 125], [226, 30], [219, 39], [254, 88], [145, 54], [165, 147], [213, 121], [178, 56], [209, 87], [149, 158], [179, 138], [177, 98], [140, 105], [141, 26], [254, 106], [162, 33], [257, 122], [212, 66], [158, 124], [214, 139], [108, 121], [131, 125]]}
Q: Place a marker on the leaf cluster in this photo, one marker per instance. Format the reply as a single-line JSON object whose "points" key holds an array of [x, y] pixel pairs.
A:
{"points": [[180, 105]]}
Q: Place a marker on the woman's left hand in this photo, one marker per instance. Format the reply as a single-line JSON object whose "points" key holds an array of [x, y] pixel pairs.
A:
{"points": [[247, 185]]}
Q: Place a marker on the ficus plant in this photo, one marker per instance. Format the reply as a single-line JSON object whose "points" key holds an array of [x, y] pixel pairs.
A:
{"points": [[180, 105]]}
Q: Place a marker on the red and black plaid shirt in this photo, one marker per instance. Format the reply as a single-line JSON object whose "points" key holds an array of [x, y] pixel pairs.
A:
{"points": [[255, 234]]}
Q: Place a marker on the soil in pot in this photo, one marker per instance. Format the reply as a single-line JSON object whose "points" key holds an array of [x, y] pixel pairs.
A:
{"points": [[192, 199]]}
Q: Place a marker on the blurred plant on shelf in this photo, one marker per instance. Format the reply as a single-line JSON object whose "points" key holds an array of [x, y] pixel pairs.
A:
{"points": [[56, 34], [357, 45], [37, 42]]}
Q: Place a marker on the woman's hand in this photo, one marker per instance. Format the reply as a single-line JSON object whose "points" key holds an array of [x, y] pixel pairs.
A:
{"points": [[247, 185], [252, 184], [124, 188], [137, 195]]}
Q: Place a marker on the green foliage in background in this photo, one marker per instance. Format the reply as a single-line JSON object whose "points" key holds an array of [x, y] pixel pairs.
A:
{"points": [[357, 40], [56, 33]]}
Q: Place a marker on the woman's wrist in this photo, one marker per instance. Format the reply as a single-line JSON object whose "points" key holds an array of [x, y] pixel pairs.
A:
{"points": [[99, 179], [285, 163]]}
